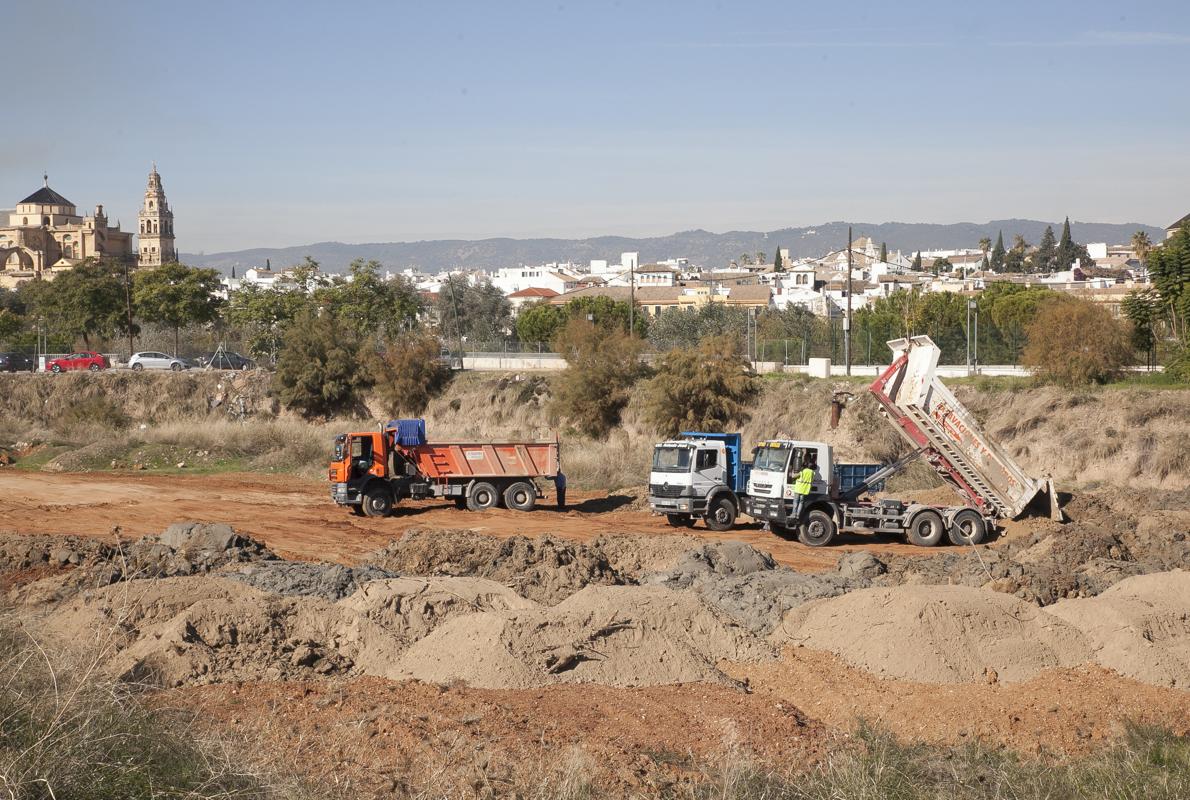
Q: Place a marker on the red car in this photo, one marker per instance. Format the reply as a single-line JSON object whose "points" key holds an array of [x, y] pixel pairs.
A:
{"points": [[84, 360]]}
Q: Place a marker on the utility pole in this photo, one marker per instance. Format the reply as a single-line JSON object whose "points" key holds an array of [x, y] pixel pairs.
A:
{"points": [[847, 319], [632, 299], [128, 306]]}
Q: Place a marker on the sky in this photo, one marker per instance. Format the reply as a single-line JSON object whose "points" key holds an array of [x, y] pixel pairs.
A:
{"points": [[284, 123]]}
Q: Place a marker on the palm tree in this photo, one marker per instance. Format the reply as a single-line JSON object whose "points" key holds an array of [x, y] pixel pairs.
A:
{"points": [[985, 244], [761, 258], [1141, 245], [745, 259]]}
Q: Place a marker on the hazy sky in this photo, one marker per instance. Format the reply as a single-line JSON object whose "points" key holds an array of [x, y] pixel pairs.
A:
{"points": [[292, 122]]}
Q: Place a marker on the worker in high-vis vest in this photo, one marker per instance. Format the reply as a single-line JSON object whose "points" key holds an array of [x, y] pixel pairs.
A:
{"points": [[802, 487]]}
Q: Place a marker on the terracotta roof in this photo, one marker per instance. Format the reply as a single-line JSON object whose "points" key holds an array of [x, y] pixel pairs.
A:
{"points": [[534, 291]]}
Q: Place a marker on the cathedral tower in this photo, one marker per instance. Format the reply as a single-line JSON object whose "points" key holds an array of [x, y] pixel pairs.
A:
{"points": [[156, 226]]}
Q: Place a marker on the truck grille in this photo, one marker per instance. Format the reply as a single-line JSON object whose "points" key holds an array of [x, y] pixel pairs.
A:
{"points": [[658, 490], [762, 487]]}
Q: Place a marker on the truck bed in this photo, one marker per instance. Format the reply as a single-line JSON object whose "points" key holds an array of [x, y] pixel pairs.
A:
{"points": [[929, 417], [448, 460]]}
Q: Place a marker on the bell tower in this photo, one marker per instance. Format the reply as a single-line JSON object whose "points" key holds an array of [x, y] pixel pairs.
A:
{"points": [[156, 226]]}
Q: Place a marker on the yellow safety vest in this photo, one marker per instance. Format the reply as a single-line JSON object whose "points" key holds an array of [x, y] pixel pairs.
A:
{"points": [[805, 481]]}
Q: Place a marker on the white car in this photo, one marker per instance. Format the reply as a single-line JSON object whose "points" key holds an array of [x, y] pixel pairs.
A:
{"points": [[151, 360]]}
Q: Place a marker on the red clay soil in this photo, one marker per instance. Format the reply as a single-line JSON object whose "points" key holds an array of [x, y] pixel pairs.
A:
{"points": [[296, 518], [1061, 710], [370, 736]]}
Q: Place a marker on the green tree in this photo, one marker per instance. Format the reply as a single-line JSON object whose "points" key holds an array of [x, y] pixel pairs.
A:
{"points": [[1169, 271], [1074, 342], [1046, 255], [265, 315], [409, 372], [998, 253], [1070, 251], [321, 370], [1015, 259], [745, 259], [10, 324], [1141, 245], [883, 253], [778, 262], [1143, 310], [761, 258], [85, 302], [687, 326], [603, 364], [369, 304], [985, 244], [540, 322], [942, 265], [916, 266], [605, 311], [707, 387], [478, 313], [1012, 308], [176, 295]]}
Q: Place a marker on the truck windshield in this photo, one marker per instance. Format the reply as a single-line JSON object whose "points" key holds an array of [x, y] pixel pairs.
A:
{"points": [[671, 459], [772, 458]]}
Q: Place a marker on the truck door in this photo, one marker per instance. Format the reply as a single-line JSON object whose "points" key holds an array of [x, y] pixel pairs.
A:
{"points": [[361, 456], [708, 472]]}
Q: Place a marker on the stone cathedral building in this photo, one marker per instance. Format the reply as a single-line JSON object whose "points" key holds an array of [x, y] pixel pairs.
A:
{"points": [[45, 235]]}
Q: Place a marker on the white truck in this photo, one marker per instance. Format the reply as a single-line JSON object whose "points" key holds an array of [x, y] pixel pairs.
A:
{"points": [[938, 428], [698, 476]]}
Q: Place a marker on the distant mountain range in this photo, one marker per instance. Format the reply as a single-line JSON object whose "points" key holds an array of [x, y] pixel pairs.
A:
{"points": [[703, 248]]}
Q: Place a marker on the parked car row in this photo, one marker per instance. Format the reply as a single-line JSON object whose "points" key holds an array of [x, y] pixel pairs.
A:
{"points": [[148, 359]]}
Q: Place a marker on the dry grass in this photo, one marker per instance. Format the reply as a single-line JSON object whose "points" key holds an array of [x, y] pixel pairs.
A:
{"points": [[66, 731]]}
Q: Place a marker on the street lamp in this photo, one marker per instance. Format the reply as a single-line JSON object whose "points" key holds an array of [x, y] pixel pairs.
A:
{"points": [[972, 307]]}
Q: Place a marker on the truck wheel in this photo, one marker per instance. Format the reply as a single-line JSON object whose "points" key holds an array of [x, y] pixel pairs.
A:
{"points": [[378, 502], [483, 496], [521, 496], [721, 515], [818, 530], [680, 520], [967, 527], [926, 529]]}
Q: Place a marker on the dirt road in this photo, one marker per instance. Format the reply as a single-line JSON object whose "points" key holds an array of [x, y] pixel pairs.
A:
{"points": [[296, 518]]}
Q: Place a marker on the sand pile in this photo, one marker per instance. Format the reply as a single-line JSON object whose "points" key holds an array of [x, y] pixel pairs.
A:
{"points": [[203, 629], [936, 634], [1140, 627], [615, 636], [544, 569]]}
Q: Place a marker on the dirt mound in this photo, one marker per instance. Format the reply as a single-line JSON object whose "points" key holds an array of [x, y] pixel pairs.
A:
{"points": [[1111, 537], [186, 548], [204, 629], [545, 569], [615, 636], [1140, 627], [936, 634], [297, 578], [633, 555], [748, 586]]}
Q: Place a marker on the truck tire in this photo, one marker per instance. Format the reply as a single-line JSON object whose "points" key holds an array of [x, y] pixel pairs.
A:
{"points": [[483, 496], [926, 528], [721, 514], [680, 520], [818, 530], [520, 496], [967, 527], [378, 502]]}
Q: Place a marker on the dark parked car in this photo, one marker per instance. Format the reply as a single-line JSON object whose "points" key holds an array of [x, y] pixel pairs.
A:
{"points": [[226, 360], [16, 362], [87, 359]]}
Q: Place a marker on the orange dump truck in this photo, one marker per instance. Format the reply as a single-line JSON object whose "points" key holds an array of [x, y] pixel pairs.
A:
{"points": [[373, 471]]}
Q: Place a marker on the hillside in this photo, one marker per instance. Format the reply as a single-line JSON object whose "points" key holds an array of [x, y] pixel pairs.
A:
{"points": [[701, 247]]}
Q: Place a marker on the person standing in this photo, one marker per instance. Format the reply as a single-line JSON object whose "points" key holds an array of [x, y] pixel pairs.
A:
{"points": [[802, 488]]}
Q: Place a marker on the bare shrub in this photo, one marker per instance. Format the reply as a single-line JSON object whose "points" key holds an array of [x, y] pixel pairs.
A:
{"points": [[1073, 342], [408, 373], [603, 364], [707, 387]]}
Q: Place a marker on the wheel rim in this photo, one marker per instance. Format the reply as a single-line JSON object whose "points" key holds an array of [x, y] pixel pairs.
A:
{"points": [[722, 514], [816, 529], [483, 498], [521, 497]]}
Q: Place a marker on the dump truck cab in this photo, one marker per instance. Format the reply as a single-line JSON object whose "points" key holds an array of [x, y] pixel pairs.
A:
{"points": [[357, 459], [699, 475]]}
